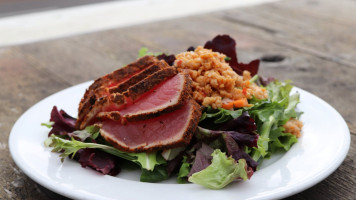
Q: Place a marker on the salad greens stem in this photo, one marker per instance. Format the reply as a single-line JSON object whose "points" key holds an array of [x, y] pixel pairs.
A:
{"points": [[254, 78], [262, 143], [72, 146]]}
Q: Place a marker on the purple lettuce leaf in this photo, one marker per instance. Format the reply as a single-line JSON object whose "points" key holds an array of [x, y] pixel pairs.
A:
{"points": [[265, 81], [242, 139], [237, 153], [242, 124], [168, 58], [63, 123], [173, 164], [202, 159], [226, 45], [98, 160], [252, 67], [241, 129], [191, 48]]}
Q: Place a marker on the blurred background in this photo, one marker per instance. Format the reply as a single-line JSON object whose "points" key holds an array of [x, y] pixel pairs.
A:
{"points": [[24, 21], [17, 7]]}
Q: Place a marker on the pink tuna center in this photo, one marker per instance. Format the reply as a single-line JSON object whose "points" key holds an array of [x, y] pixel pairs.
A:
{"points": [[165, 129], [165, 93]]}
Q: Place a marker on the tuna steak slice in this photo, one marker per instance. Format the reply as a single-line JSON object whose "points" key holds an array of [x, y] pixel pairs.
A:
{"points": [[169, 130], [102, 86], [166, 97], [97, 95], [118, 76], [116, 101], [123, 86]]}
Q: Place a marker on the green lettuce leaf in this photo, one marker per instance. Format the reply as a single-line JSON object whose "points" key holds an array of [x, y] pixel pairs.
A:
{"points": [[47, 124], [183, 171], [222, 171], [144, 52], [284, 142], [147, 161], [213, 118], [270, 115], [89, 132], [158, 174]]}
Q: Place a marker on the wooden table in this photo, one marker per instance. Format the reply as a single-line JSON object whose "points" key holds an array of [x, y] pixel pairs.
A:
{"points": [[316, 37]]}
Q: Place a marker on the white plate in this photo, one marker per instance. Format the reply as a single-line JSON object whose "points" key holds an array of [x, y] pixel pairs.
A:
{"points": [[321, 149]]}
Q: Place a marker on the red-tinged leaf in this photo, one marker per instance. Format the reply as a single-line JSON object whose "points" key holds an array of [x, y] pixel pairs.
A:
{"points": [[249, 172], [202, 159], [252, 67], [237, 153], [242, 124], [172, 165], [63, 123], [226, 45], [265, 81], [168, 58], [100, 161]]}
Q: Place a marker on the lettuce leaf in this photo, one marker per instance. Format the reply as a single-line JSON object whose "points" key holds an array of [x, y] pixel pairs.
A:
{"points": [[284, 142], [241, 138], [89, 132], [220, 115], [270, 115], [47, 124], [147, 161], [222, 171], [144, 52], [158, 174], [183, 171]]}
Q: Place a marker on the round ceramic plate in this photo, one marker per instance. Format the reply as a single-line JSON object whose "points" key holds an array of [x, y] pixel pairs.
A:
{"points": [[321, 149]]}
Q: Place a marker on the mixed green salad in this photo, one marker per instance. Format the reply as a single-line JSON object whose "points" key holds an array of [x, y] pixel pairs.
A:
{"points": [[227, 146]]}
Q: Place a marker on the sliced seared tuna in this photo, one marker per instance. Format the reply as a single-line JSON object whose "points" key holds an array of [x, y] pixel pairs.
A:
{"points": [[117, 101], [117, 83], [118, 76], [165, 97], [123, 86], [168, 130]]}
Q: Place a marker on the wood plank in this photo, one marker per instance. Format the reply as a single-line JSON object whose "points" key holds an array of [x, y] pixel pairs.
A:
{"points": [[22, 85]]}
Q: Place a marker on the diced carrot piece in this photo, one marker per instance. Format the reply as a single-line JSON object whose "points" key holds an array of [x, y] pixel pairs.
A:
{"points": [[236, 104], [244, 91]]}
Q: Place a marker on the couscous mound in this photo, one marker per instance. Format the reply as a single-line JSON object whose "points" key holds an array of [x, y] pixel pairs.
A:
{"points": [[214, 81]]}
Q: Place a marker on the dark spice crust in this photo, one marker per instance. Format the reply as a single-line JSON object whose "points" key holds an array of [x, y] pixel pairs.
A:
{"points": [[135, 91], [122, 87], [124, 72], [184, 140], [117, 99], [99, 88]]}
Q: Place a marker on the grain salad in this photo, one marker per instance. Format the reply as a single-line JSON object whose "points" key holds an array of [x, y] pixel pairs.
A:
{"points": [[214, 81]]}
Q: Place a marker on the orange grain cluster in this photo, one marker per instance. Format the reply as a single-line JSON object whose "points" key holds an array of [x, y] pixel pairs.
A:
{"points": [[215, 84], [294, 127]]}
